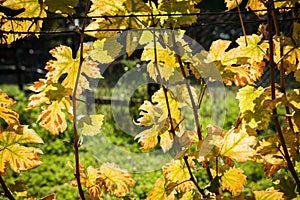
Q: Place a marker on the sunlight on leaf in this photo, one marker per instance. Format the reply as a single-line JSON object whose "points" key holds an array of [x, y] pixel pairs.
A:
{"points": [[268, 194], [9, 116], [159, 192], [236, 144], [32, 8], [233, 180], [90, 124], [20, 158]]}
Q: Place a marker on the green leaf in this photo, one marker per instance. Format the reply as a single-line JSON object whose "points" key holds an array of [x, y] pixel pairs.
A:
{"points": [[62, 7]]}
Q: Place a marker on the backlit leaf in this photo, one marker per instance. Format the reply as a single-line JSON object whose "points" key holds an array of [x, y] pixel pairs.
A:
{"points": [[32, 8], [155, 117], [231, 4], [254, 49], [177, 172], [90, 124], [268, 194], [233, 180], [159, 192], [53, 119], [246, 97], [217, 50], [236, 144], [62, 7], [256, 5], [17, 156], [9, 116], [178, 6], [65, 64], [115, 179], [91, 182]]}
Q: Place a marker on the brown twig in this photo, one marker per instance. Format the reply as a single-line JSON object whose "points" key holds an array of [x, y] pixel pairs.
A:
{"points": [[7, 192], [192, 178], [76, 138], [242, 22], [290, 165]]}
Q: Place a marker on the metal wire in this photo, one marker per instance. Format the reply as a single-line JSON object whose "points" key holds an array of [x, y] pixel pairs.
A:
{"points": [[141, 15]]}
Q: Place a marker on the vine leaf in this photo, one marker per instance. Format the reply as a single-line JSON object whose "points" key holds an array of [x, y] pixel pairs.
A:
{"points": [[233, 180], [159, 191], [33, 8], [236, 144], [175, 6], [62, 7], [268, 194], [9, 116], [247, 96], [91, 182], [65, 64], [17, 156], [166, 61], [155, 117], [53, 119], [177, 172], [90, 124], [256, 5], [231, 4], [255, 50], [245, 74], [217, 50], [115, 179], [121, 8], [253, 113]]}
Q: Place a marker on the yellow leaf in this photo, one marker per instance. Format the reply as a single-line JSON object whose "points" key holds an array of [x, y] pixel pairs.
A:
{"points": [[166, 61], [159, 192], [233, 180], [9, 116], [17, 156], [237, 145], [175, 6], [177, 172], [155, 117], [256, 5], [268, 194], [32, 8], [217, 50], [246, 74], [115, 179], [247, 96], [62, 7], [231, 4], [53, 119], [91, 182], [98, 8], [90, 124], [254, 50]]}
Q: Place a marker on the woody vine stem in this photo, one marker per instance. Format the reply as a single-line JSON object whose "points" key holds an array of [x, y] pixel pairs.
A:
{"points": [[270, 7], [76, 138]]}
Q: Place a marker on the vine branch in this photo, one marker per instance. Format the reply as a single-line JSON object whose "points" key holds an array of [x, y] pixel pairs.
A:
{"points": [[7, 192], [290, 165], [76, 138]]}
